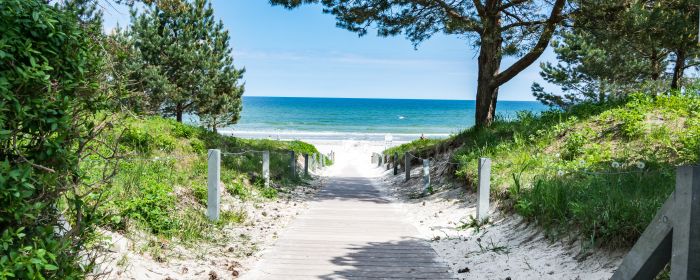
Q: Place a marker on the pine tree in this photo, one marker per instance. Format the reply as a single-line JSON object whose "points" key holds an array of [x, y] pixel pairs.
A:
{"points": [[186, 51]]}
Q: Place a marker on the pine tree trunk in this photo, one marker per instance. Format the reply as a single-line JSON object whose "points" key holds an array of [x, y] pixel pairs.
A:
{"points": [[489, 64], [178, 112], [678, 69], [655, 65]]}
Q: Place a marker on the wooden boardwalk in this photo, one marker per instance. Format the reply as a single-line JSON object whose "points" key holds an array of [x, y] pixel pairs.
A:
{"points": [[350, 232]]}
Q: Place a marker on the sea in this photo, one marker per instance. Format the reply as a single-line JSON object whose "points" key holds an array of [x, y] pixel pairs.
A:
{"points": [[368, 119]]}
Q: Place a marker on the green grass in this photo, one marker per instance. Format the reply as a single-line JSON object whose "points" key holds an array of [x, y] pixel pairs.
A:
{"points": [[578, 172], [161, 183]]}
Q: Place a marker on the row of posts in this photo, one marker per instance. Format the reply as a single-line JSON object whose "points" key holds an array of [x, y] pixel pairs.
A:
{"points": [[318, 160], [483, 188], [672, 237]]}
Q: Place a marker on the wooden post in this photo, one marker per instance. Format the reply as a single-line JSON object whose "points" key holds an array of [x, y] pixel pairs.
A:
{"points": [[266, 168], [396, 163], [213, 180], [293, 163], [313, 162], [426, 176], [306, 164], [407, 165], [673, 235], [482, 192]]}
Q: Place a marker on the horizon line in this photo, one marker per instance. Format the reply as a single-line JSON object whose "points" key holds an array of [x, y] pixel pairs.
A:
{"points": [[382, 98]]}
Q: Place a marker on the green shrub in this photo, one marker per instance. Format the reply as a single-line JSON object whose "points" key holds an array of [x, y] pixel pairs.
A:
{"points": [[153, 208], [197, 146], [268, 192], [180, 130], [50, 70], [200, 193], [574, 145], [237, 188], [137, 140]]}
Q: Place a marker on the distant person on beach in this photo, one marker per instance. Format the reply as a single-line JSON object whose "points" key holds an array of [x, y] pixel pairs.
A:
{"points": [[422, 136]]}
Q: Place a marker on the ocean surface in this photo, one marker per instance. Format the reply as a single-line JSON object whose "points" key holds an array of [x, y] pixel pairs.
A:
{"points": [[360, 119]]}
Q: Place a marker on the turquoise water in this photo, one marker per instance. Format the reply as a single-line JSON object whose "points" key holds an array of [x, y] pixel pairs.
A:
{"points": [[355, 118]]}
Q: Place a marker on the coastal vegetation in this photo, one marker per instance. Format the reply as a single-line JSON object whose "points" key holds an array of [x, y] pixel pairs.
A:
{"points": [[84, 147], [599, 170]]}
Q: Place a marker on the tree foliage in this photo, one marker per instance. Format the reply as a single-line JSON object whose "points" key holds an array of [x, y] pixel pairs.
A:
{"points": [[184, 64], [50, 93], [497, 27], [614, 47]]}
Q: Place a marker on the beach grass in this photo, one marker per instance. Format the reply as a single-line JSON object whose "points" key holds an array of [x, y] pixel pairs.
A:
{"points": [[598, 172], [160, 186]]}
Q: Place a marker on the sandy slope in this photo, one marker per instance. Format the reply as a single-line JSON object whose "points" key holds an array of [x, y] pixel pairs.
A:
{"points": [[226, 257], [508, 247]]}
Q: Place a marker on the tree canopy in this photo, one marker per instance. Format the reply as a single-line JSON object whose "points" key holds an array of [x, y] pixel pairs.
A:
{"points": [[185, 63], [498, 28]]}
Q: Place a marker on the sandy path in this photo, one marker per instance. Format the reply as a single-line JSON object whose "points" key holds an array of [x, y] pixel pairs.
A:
{"points": [[350, 231]]}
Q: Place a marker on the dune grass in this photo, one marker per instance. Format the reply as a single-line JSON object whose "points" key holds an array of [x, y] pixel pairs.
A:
{"points": [[160, 186], [597, 171]]}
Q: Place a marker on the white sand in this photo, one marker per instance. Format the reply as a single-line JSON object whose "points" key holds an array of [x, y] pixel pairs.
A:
{"points": [[506, 248], [234, 250]]}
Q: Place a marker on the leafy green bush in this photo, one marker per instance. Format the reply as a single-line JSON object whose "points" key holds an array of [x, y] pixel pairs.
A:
{"points": [[49, 94], [137, 140], [573, 147], [237, 188], [302, 147], [153, 206], [180, 130]]}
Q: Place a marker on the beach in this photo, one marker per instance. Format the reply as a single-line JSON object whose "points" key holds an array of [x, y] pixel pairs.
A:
{"points": [[506, 247]]}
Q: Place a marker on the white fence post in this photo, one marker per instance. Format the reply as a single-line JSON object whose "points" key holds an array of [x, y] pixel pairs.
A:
{"points": [[396, 163], [426, 176], [483, 190], [293, 163], [407, 165], [213, 181], [266, 167]]}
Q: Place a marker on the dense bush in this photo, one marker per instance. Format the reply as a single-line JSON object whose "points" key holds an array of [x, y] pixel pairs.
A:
{"points": [[49, 97]]}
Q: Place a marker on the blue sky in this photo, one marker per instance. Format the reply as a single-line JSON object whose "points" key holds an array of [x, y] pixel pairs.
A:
{"points": [[302, 53]]}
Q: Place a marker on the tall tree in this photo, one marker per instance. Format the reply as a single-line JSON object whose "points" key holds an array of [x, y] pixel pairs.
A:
{"points": [[189, 50], [224, 106], [521, 28], [596, 69]]}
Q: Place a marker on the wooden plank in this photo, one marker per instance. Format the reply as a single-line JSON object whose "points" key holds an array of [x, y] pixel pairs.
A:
{"points": [[351, 232]]}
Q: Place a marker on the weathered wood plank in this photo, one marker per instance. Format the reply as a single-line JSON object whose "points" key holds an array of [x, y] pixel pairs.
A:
{"points": [[351, 232]]}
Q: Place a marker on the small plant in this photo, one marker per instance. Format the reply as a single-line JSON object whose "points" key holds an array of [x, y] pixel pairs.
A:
{"points": [[232, 217], [574, 145], [474, 224], [489, 247], [153, 208], [237, 188]]}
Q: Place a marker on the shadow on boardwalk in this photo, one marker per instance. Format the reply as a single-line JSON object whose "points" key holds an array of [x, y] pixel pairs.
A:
{"points": [[410, 258]]}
